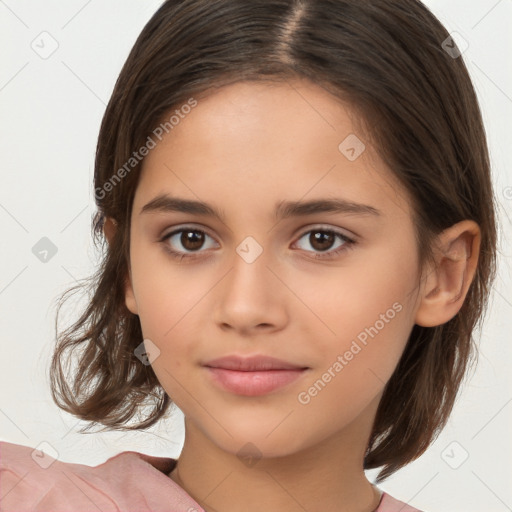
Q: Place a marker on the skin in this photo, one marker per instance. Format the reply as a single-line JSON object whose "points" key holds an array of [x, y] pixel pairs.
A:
{"points": [[244, 148]]}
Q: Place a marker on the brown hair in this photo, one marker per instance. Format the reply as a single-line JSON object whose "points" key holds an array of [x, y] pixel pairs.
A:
{"points": [[386, 59]]}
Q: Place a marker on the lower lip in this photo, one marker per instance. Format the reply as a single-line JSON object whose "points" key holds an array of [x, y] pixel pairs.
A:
{"points": [[253, 383]]}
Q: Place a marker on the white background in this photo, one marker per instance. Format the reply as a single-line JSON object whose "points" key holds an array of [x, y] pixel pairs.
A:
{"points": [[50, 113]]}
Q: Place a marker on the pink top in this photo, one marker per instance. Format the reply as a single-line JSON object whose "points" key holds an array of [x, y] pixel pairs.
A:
{"points": [[31, 480]]}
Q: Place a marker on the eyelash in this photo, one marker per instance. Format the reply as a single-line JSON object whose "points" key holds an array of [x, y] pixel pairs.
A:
{"points": [[349, 243]]}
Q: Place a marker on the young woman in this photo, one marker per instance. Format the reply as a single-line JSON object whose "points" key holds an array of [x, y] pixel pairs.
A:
{"points": [[301, 239]]}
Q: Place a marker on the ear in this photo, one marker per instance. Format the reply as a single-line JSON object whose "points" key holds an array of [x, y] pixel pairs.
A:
{"points": [[129, 296], [445, 287], [109, 229]]}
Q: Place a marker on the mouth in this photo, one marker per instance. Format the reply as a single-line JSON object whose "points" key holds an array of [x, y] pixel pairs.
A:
{"points": [[252, 376]]}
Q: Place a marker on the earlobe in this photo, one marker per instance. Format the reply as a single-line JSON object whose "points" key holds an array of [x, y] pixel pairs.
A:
{"points": [[129, 296], [109, 228], [445, 287]]}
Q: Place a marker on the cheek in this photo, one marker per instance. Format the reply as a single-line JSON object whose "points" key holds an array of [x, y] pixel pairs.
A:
{"points": [[356, 364], [165, 293], [369, 312], [171, 301]]}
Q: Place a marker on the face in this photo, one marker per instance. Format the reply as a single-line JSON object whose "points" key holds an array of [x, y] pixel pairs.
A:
{"points": [[329, 291]]}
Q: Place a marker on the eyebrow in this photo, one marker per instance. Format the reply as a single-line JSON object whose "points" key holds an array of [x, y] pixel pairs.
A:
{"points": [[164, 203]]}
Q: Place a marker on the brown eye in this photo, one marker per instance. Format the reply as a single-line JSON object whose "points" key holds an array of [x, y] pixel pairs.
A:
{"points": [[185, 242], [322, 240], [192, 240]]}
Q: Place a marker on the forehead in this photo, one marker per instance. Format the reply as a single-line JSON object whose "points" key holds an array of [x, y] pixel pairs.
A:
{"points": [[253, 144]]}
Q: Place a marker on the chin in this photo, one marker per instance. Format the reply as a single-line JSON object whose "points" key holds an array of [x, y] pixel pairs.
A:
{"points": [[253, 444]]}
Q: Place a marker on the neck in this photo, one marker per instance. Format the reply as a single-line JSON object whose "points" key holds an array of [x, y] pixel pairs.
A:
{"points": [[327, 476]]}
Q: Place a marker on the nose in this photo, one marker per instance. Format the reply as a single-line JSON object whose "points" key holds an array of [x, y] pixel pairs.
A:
{"points": [[252, 297]]}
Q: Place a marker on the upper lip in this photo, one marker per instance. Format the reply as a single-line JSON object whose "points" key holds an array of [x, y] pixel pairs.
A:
{"points": [[252, 363]]}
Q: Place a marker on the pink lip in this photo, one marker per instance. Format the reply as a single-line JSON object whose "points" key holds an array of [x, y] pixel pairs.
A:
{"points": [[252, 363], [252, 376]]}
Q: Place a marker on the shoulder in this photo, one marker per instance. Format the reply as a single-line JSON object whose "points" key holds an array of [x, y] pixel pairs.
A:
{"points": [[32, 480], [390, 504]]}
